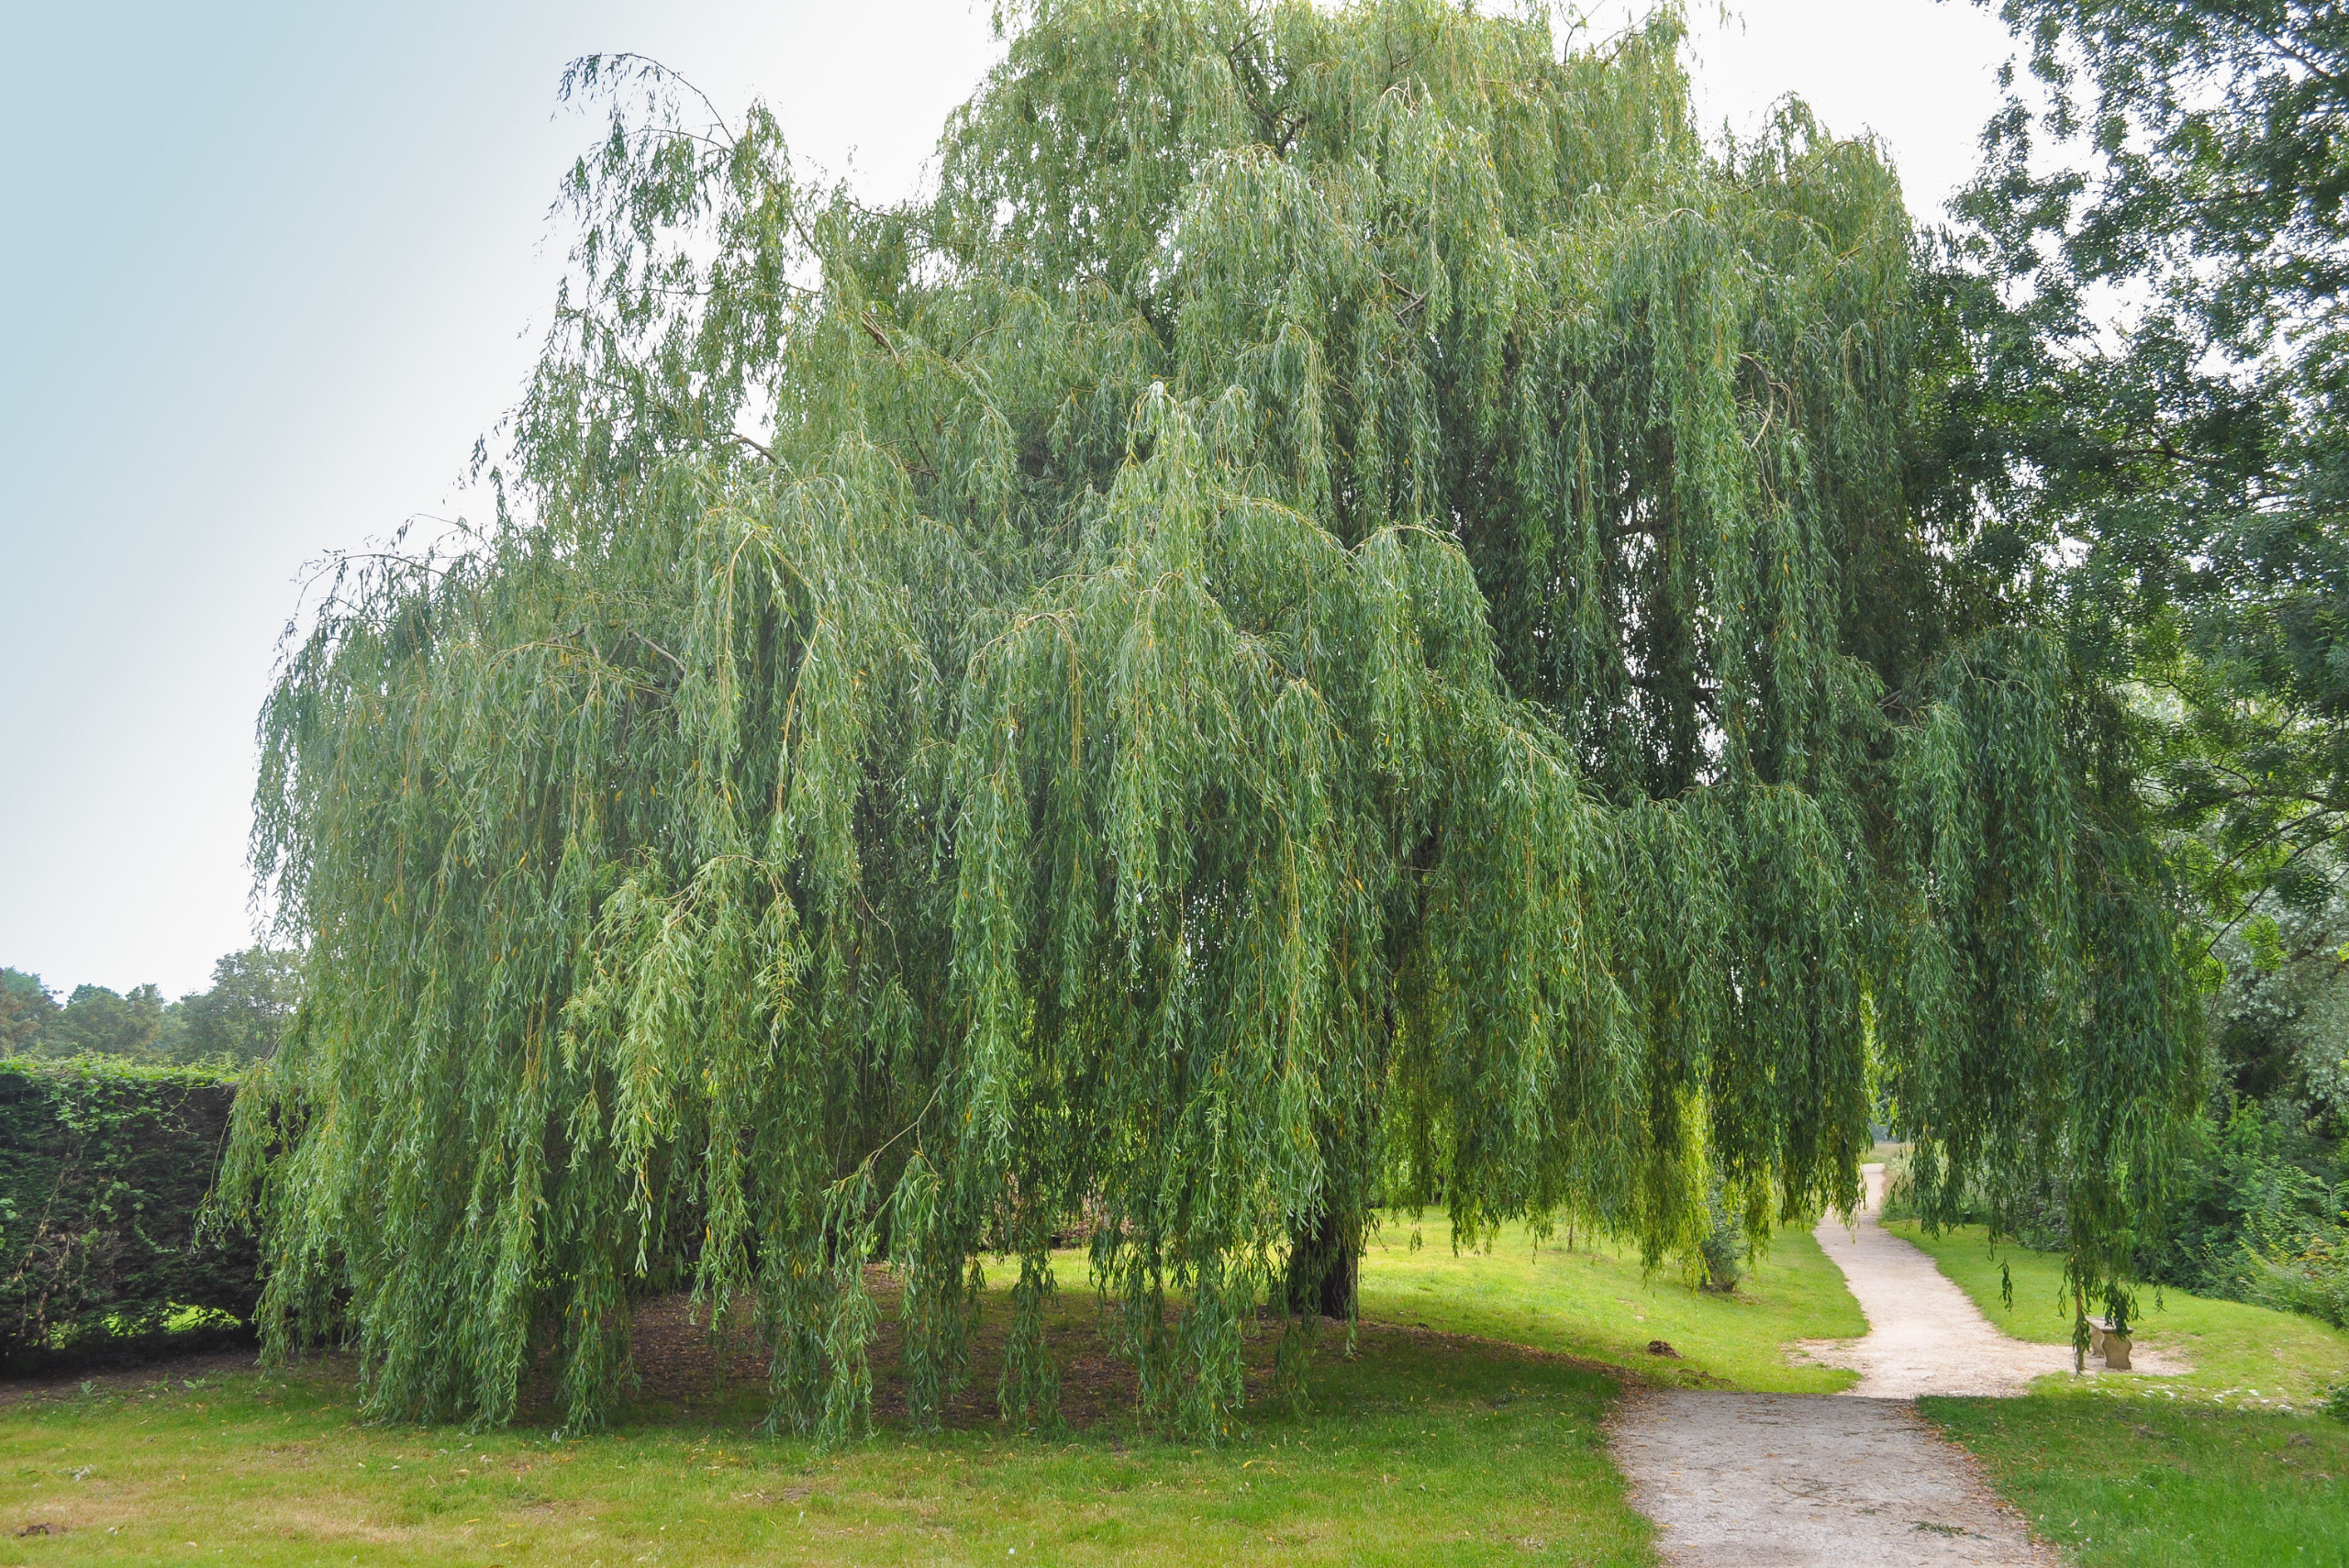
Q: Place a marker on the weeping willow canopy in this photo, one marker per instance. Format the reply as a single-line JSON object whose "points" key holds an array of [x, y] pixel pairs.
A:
{"points": [[1340, 619]]}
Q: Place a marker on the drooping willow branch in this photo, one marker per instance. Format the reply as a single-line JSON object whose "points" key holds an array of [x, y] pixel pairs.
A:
{"points": [[1270, 666]]}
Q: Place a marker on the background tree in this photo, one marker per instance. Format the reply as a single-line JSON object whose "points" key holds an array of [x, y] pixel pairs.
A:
{"points": [[240, 1015], [238, 1019], [1341, 616], [2149, 276], [105, 1023], [26, 1006], [2165, 371]]}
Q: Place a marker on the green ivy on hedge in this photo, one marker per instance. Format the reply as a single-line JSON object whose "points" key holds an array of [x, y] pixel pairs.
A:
{"points": [[104, 1170]]}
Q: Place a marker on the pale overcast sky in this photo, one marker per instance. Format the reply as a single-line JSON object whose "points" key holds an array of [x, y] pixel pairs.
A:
{"points": [[273, 269]]}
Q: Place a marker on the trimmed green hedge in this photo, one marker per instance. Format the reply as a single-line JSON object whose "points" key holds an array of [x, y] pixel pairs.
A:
{"points": [[103, 1167]]}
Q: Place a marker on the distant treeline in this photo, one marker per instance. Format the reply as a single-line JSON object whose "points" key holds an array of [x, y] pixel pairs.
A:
{"points": [[237, 1018]]}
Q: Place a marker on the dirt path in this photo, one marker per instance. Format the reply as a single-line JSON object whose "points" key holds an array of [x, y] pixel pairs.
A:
{"points": [[1793, 1480], [1808, 1481], [1925, 1335]]}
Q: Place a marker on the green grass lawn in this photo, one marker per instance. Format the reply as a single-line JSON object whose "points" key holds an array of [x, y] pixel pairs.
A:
{"points": [[2220, 1467], [1602, 1306], [2240, 1354], [1460, 1433], [2138, 1484], [1469, 1428], [1428, 1447]]}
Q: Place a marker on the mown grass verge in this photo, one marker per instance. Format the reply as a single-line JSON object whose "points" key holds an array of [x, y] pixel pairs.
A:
{"points": [[2219, 1467], [2238, 1353], [2133, 1484], [1603, 1305]]}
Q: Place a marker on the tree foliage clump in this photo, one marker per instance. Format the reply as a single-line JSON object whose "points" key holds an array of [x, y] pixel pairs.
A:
{"points": [[93, 1021], [236, 1020], [1336, 617], [2148, 277], [2163, 389]]}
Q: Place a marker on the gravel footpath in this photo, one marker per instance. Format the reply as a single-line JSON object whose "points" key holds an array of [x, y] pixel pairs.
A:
{"points": [[1925, 1335], [1850, 1479], [1794, 1480]]}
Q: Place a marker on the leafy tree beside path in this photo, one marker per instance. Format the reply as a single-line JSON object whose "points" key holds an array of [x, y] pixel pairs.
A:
{"points": [[2160, 385], [2148, 278], [1344, 615]]}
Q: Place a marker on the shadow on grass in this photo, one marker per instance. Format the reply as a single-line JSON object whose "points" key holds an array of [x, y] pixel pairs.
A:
{"points": [[690, 1374]]}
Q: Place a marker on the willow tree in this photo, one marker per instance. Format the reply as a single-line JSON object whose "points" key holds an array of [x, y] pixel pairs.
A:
{"points": [[1336, 618]]}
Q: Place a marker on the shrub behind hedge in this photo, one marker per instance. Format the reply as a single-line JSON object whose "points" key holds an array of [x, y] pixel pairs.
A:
{"points": [[104, 1166]]}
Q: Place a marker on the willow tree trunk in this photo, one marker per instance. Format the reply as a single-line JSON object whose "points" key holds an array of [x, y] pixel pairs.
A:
{"points": [[1325, 1265]]}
